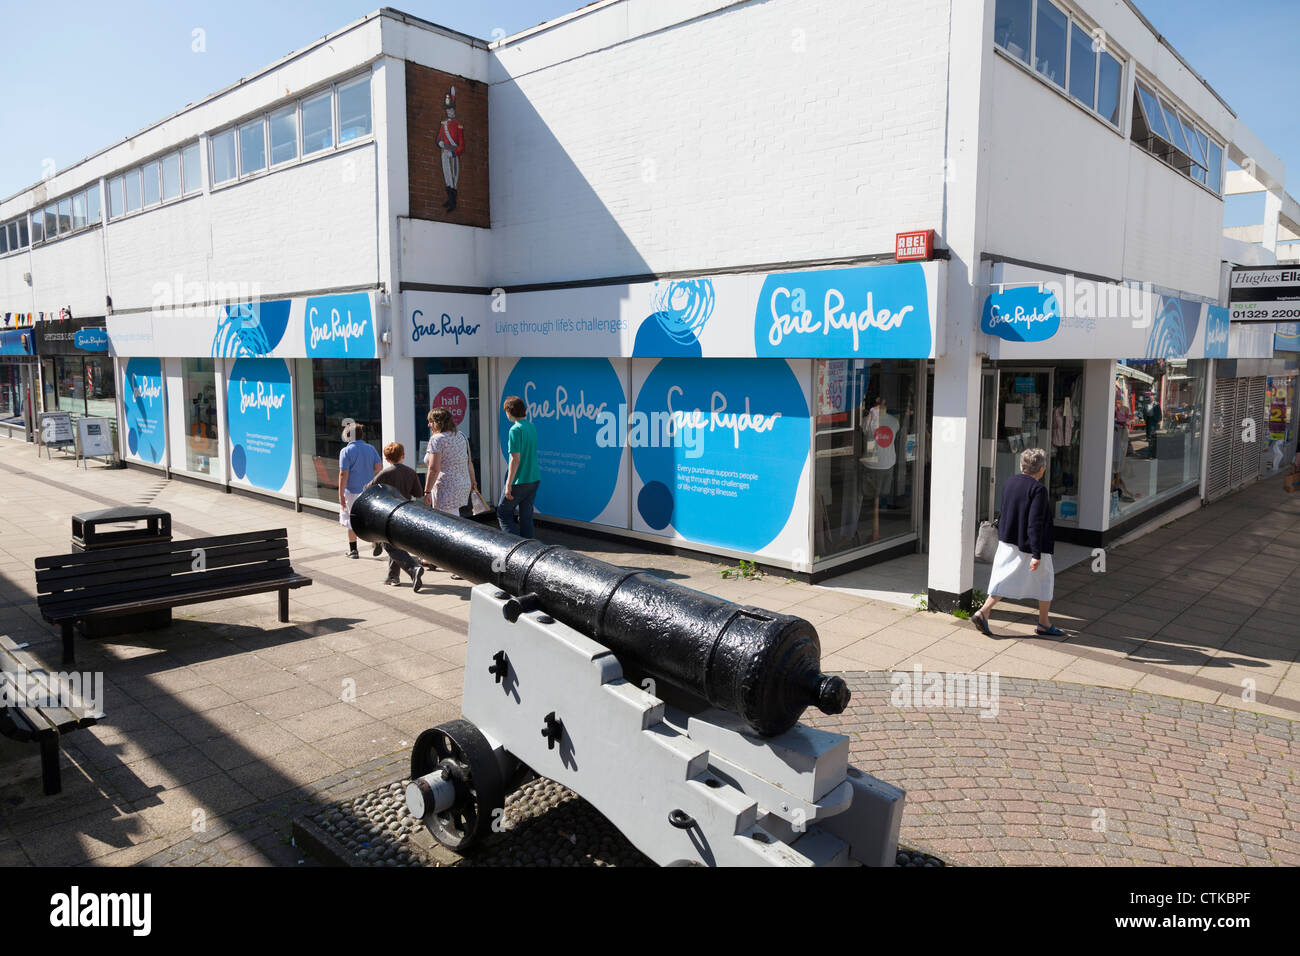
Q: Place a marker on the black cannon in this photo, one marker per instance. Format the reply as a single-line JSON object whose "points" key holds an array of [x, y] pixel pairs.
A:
{"points": [[764, 667]]}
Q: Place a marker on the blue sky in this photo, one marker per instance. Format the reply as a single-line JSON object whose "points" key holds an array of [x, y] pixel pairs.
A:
{"points": [[94, 72]]}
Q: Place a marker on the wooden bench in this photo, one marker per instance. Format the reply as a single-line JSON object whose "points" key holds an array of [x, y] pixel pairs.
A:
{"points": [[89, 585], [34, 706]]}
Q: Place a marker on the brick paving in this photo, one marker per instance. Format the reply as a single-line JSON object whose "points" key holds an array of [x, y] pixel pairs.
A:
{"points": [[235, 722]]}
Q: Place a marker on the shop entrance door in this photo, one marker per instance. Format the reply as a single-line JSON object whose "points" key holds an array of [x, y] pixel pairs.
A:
{"points": [[1015, 415]]}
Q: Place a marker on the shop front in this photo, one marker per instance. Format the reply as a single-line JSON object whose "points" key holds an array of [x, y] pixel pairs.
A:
{"points": [[76, 368], [251, 396], [18, 382], [770, 417], [1113, 380]]}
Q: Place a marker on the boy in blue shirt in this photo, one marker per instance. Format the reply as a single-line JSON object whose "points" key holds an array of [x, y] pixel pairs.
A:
{"points": [[358, 463]]}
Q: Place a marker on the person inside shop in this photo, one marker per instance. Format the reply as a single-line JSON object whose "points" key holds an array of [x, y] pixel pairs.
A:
{"points": [[407, 483], [1022, 567], [1152, 415], [1119, 450], [515, 509], [358, 463]]}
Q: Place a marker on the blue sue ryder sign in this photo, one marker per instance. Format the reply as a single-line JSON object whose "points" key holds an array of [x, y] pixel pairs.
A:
{"points": [[882, 311]]}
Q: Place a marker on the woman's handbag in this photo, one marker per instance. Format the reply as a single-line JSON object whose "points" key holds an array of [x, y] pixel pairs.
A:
{"points": [[986, 542], [477, 504]]}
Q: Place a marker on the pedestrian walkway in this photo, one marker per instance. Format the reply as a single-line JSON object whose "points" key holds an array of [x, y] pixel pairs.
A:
{"points": [[218, 725]]}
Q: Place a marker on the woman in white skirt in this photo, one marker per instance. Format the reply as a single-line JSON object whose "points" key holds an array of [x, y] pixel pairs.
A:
{"points": [[1022, 568]]}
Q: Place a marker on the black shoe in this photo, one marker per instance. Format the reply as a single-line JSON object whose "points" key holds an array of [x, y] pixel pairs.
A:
{"points": [[392, 582], [451, 207], [447, 204], [378, 549], [352, 553], [417, 580]]}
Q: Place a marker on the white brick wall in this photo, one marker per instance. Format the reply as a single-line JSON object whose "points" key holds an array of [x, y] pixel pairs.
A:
{"points": [[640, 156]]}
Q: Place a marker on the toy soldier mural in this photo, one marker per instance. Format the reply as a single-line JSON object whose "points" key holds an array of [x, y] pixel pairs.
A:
{"points": [[451, 140]]}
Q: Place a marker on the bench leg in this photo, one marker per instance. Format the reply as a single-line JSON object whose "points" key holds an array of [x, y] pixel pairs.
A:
{"points": [[284, 605], [68, 654], [50, 764]]}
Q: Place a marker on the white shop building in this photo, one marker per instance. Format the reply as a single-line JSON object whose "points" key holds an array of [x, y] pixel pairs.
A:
{"points": [[672, 229]]}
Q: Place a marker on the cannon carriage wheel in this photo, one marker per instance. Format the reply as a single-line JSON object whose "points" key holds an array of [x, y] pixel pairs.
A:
{"points": [[460, 751]]}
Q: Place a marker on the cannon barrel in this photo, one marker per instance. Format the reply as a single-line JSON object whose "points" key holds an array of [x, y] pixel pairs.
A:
{"points": [[764, 667]]}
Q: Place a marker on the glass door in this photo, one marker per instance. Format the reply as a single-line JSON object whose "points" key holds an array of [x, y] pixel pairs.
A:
{"points": [[1023, 421]]}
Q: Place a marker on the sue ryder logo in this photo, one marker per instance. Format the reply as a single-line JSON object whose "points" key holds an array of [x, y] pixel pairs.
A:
{"points": [[791, 317], [146, 389], [1025, 314], [339, 328], [263, 397], [447, 327]]}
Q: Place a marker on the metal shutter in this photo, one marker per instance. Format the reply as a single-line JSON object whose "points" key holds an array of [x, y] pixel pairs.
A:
{"points": [[1220, 457], [1255, 390]]}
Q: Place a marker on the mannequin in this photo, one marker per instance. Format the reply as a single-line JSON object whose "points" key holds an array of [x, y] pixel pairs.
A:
{"points": [[880, 434]]}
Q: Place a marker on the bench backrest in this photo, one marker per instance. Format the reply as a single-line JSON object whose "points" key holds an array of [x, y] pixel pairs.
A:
{"points": [[43, 701], [68, 583]]}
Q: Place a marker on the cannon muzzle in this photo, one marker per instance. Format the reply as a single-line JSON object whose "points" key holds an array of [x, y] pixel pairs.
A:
{"points": [[763, 666]]}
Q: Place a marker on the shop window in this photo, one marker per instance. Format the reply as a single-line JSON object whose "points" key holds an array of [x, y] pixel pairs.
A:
{"points": [[329, 391], [866, 430], [99, 388], [171, 176], [201, 441], [191, 176], [223, 157], [443, 377], [132, 183], [252, 147], [1156, 445], [284, 136], [317, 123], [1012, 25], [354, 109]]}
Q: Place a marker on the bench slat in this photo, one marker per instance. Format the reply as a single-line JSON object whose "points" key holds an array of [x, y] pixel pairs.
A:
{"points": [[174, 584], [73, 579], [180, 600], [109, 555]]}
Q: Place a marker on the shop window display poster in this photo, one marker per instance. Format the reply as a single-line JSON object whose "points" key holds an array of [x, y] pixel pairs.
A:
{"points": [[146, 438], [259, 415], [576, 405], [722, 458]]}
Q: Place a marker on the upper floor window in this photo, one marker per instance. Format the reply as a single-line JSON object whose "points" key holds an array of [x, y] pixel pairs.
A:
{"points": [[1166, 132], [252, 147], [284, 135], [223, 156], [354, 109], [191, 177], [317, 124], [1063, 51]]}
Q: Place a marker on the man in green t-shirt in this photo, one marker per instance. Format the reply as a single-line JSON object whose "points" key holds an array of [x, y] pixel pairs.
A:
{"points": [[515, 509]]}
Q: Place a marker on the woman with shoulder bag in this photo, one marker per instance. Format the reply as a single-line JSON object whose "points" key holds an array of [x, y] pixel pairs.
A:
{"points": [[1022, 567]]}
